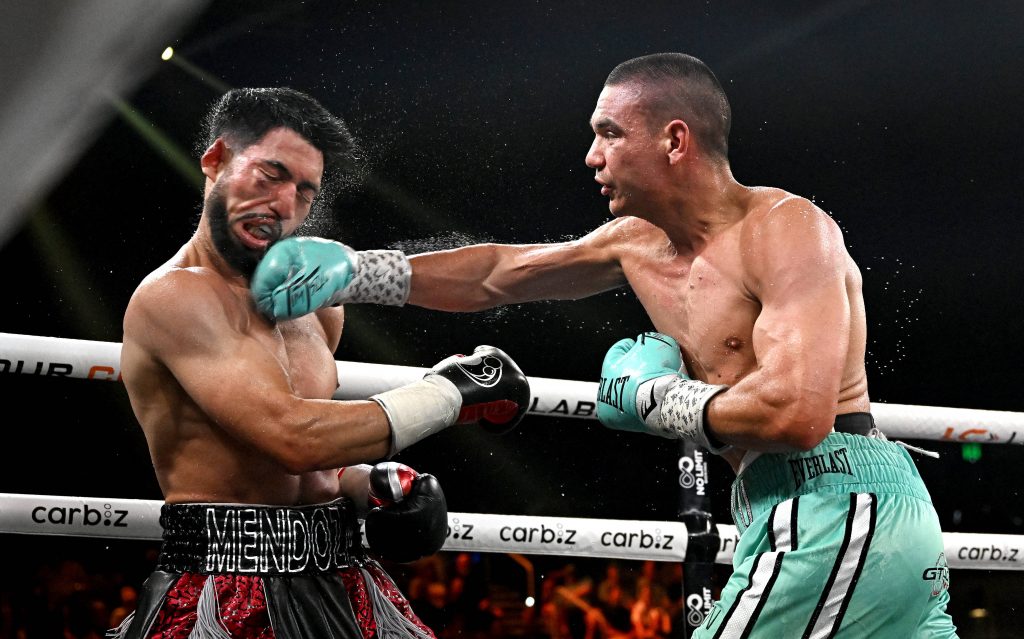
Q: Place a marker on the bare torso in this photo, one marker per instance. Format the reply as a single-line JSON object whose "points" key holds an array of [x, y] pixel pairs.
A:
{"points": [[194, 458], [705, 303]]}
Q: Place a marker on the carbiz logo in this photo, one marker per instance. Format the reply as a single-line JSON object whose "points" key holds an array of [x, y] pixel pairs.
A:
{"points": [[542, 535], [460, 530], [988, 553], [63, 516], [642, 540]]}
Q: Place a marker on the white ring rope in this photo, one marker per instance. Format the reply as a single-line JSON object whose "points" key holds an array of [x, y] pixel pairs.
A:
{"points": [[62, 357], [603, 538], [564, 536]]}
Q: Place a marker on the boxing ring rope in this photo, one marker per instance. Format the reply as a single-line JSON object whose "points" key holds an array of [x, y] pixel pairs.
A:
{"points": [[63, 357], [621, 539], [139, 519], [695, 539]]}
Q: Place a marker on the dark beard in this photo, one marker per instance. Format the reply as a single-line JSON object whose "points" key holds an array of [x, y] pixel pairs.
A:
{"points": [[238, 256]]}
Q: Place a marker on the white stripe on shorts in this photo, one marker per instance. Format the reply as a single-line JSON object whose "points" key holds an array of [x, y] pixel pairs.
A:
{"points": [[740, 620], [860, 526]]}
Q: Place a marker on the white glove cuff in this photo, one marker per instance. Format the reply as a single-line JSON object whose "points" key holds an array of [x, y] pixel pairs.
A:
{"points": [[381, 277], [682, 411], [419, 410]]}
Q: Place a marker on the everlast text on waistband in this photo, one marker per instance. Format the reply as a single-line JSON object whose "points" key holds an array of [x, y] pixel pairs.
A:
{"points": [[807, 468]]}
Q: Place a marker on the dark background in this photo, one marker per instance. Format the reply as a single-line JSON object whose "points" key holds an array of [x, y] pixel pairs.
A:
{"points": [[901, 120]]}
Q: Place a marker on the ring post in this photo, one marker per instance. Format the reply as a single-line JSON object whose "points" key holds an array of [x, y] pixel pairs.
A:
{"points": [[702, 536]]}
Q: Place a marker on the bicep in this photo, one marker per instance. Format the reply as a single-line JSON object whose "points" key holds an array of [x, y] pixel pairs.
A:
{"points": [[803, 328], [237, 383]]}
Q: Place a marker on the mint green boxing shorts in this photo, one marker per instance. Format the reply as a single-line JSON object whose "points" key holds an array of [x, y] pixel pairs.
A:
{"points": [[839, 541]]}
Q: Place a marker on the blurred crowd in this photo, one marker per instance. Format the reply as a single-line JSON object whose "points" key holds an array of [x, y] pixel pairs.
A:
{"points": [[463, 595], [475, 596], [629, 600], [67, 588]]}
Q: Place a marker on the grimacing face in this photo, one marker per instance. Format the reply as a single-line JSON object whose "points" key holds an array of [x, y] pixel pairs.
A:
{"points": [[264, 193], [238, 256]]}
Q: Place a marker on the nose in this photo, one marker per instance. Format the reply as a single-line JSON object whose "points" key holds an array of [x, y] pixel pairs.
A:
{"points": [[595, 158], [283, 203]]}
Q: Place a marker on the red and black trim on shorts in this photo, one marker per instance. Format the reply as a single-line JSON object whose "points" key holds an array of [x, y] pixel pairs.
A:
{"points": [[284, 593]]}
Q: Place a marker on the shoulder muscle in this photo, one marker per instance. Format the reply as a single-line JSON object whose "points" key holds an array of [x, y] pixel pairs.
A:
{"points": [[790, 242], [180, 310]]}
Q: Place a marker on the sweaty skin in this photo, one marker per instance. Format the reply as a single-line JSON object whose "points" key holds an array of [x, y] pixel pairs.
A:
{"points": [[236, 409], [754, 283]]}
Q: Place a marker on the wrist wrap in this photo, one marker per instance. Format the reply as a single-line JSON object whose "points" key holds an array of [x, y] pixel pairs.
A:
{"points": [[682, 411], [419, 410], [381, 277]]}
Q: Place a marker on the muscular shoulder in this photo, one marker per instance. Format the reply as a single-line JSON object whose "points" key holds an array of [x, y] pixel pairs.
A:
{"points": [[785, 230], [173, 298]]}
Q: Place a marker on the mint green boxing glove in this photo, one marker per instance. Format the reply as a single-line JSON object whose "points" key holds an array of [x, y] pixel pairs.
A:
{"points": [[299, 275], [644, 387]]}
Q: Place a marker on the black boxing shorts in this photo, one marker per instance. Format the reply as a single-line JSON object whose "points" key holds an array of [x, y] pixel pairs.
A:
{"points": [[267, 572]]}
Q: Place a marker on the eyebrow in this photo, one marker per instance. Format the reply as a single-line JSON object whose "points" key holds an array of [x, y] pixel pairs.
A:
{"points": [[604, 122], [303, 185]]}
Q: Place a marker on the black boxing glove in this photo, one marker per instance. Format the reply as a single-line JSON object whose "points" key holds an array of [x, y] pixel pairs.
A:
{"points": [[495, 393], [485, 388], [409, 515]]}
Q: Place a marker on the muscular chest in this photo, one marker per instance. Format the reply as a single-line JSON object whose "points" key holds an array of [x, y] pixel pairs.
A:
{"points": [[301, 348], [702, 303]]}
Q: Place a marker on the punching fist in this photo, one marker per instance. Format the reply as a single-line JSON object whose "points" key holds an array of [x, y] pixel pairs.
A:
{"points": [[409, 515], [485, 388], [644, 387], [495, 393], [299, 275]]}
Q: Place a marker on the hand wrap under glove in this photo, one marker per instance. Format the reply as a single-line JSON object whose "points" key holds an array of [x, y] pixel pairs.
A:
{"points": [[409, 518], [485, 388], [299, 275], [645, 388]]}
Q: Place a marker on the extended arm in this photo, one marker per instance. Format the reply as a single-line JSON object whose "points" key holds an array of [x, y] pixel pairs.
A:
{"points": [[234, 376], [299, 275], [486, 275]]}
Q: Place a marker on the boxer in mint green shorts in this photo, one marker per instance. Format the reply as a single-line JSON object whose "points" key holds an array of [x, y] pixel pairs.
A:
{"points": [[756, 284], [840, 540]]}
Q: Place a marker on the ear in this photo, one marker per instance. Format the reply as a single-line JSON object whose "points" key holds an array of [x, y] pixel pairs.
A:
{"points": [[215, 159], [679, 140]]}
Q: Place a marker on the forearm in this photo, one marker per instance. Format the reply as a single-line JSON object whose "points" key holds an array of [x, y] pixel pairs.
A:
{"points": [[460, 280], [769, 412], [786, 404], [483, 276], [311, 434]]}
